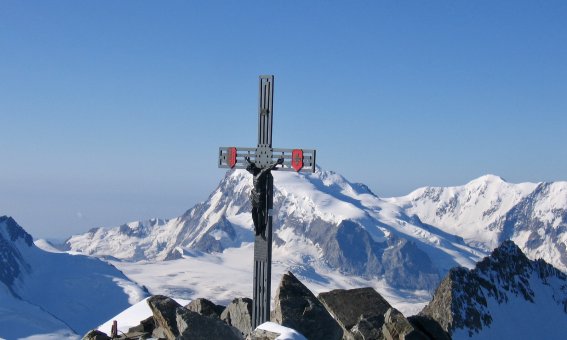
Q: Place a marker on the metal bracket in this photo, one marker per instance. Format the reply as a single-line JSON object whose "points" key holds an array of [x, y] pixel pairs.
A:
{"points": [[264, 156]]}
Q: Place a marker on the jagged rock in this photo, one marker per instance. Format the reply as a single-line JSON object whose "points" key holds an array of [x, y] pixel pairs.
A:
{"points": [[194, 326], [205, 307], [367, 328], [146, 326], [297, 308], [396, 326], [239, 315], [164, 310], [347, 306], [96, 335], [429, 327]]}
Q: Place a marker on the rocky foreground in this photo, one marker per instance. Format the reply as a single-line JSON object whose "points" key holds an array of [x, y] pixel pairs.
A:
{"points": [[339, 314], [494, 300]]}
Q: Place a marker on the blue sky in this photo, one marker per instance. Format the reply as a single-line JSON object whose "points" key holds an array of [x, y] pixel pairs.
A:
{"points": [[113, 111]]}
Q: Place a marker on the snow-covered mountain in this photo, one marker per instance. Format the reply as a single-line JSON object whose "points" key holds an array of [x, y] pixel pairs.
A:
{"points": [[489, 210], [506, 296], [325, 224], [322, 220], [55, 293]]}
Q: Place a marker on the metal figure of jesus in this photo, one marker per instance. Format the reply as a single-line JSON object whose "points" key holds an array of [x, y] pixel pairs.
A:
{"points": [[258, 194]]}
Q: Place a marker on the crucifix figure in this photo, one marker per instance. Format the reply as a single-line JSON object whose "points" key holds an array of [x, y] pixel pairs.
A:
{"points": [[260, 161], [258, 193]]}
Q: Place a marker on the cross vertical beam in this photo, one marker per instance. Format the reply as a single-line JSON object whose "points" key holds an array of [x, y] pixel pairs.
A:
{"points": [[265, 109]]}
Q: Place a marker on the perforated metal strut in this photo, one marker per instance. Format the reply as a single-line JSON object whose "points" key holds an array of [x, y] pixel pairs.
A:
{"points": [[265, 111]]}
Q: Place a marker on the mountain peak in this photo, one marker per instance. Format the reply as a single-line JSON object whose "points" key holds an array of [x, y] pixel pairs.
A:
{"points": [[14, 230], [489, 178]]}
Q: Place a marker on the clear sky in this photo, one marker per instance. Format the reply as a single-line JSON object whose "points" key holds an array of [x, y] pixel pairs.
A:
{"points": [[113, 111]]}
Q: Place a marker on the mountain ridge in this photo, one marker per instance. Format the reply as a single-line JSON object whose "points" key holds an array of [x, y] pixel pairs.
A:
{"points": [[323, 210], [28, 272], [504, 289]]}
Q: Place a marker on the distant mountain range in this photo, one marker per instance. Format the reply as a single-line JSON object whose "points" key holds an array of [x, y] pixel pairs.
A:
{"points": [[55, 293], [411, 241]]}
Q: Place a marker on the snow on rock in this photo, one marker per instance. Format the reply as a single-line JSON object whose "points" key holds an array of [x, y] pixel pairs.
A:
{"points": [[489, 210]]}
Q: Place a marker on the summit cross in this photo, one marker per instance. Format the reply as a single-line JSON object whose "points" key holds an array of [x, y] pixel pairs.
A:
{"points": [[260, 161]]}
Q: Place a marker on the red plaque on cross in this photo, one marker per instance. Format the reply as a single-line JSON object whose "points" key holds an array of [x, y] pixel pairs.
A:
{"points": [[297, 159], [231, 157]]}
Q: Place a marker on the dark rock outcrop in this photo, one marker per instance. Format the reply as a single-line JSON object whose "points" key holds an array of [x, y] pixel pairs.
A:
{"points": [[13, 264], [347, 306], [194, 326], [205, 307], [462, 299], [296, 307], [164, 310], [239, 315]]}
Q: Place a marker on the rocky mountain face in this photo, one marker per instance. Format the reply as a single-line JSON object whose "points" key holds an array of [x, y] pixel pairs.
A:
{"points": [[489, 210], [505, 296], [321, 218], [60, 293], [12, 238]]}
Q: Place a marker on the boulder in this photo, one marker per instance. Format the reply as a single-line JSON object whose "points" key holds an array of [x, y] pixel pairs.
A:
{"points": [[96, 335], [194, 326], [297, 308], [239, 315], [347, 306], [397, 327], [205, 307], [164, 311]]}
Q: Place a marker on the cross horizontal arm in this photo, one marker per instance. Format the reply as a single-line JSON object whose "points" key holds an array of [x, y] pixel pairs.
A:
{"points": [[308, 158]]}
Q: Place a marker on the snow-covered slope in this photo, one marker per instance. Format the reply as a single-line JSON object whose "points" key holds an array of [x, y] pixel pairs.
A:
{"points": [[56, 292], [489, 210], [506, 296], [322, 220]]}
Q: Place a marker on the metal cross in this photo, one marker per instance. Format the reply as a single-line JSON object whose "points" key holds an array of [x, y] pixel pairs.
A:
{"points": [[263, 157]]}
